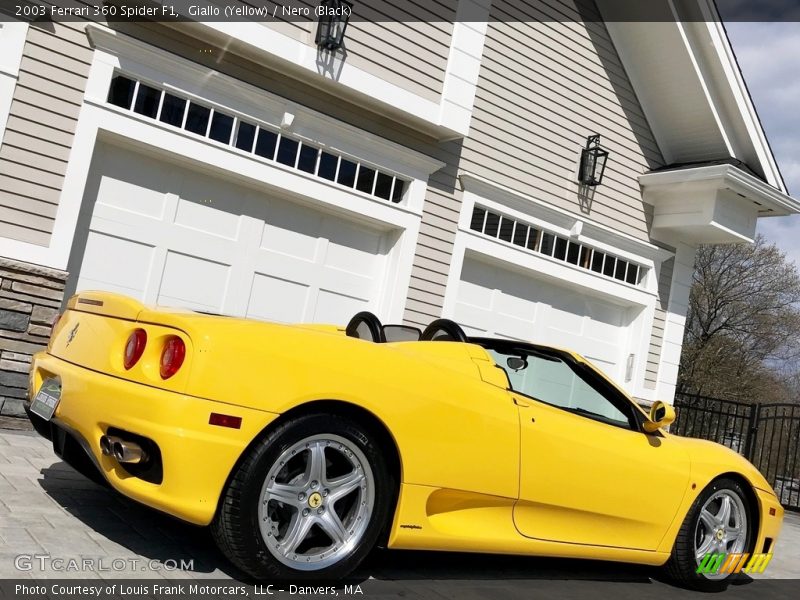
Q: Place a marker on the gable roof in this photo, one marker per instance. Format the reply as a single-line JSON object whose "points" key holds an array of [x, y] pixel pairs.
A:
{"points": [[691, 89]]}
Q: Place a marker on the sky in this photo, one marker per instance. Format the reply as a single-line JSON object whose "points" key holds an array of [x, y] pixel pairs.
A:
{"points": [[769, 56]]}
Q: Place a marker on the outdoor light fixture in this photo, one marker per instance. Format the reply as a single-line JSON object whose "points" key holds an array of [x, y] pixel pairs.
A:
{"points": [[593, 162], [333, 18]]}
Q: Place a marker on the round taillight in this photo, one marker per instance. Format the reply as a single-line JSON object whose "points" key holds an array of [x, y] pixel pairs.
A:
{"points": [[134, 348], [172, 356]]}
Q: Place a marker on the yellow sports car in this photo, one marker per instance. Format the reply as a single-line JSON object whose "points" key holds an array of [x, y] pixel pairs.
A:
{"points": [[304, 446]]}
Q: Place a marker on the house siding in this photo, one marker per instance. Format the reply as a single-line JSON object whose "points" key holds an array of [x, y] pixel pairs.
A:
{"points": [[40, 129], [412, 55], [543, 88], [540, 94]]}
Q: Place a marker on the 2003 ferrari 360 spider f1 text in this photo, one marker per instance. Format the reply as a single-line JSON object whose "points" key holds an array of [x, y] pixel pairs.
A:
{"points": [[304, 446]]}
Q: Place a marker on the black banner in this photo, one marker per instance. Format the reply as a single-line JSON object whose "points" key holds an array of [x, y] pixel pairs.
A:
{"points": [[401, 10]]}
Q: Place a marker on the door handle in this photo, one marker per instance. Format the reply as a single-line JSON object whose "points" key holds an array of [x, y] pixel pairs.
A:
{"points": [[521, 403]]}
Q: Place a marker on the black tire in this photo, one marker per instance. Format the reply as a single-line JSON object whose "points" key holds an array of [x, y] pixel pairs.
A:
{"points": [[236, 525], [682, 565]]}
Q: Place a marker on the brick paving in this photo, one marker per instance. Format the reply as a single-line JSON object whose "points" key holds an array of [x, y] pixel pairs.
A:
{"points": [[47, 508]]}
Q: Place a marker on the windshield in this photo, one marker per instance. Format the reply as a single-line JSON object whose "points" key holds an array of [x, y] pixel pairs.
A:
{"points": [[550, 379]]}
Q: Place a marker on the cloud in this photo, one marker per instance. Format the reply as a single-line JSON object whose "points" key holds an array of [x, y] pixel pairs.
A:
{"points": [[767, 54], [782, 231]]}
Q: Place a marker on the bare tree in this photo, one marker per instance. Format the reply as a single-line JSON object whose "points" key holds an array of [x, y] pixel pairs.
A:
{"points": [[743, 323]]}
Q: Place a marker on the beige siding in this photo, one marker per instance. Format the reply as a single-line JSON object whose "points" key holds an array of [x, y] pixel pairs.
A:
{"points": [[659, 321], [412, 55], [41, 124], [544, 86]]}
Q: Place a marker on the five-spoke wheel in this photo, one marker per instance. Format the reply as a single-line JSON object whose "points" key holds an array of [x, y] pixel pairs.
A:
{"points": [[718, 522], [721, 528], [307, 501], [316, 502]]}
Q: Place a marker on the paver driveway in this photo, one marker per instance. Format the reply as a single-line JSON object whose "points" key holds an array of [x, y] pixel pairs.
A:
{"points": [[48, 509]]}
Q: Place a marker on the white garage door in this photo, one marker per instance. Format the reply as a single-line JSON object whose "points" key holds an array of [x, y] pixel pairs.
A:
{"points": [[498, 302], [171, 235]]}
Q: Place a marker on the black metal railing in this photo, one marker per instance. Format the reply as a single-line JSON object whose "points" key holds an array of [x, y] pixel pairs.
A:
{"points": [[768, 435]]}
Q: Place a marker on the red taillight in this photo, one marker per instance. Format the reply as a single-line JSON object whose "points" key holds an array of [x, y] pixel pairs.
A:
{"points": [[134, 348], [172, 356]]}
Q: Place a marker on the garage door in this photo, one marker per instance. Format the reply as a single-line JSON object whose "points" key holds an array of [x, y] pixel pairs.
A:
{"points": [[171, 235], [499, 302]]}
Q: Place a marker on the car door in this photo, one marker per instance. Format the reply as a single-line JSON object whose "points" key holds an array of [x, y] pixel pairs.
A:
{"points": [[588, 474]]}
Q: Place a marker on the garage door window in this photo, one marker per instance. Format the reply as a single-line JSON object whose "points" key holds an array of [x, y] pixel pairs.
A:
{"points": [[517, 233], [206, 121]]}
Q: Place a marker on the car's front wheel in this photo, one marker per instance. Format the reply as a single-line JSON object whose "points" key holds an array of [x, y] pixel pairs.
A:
{"points": [[309, 500], [719, 522]]}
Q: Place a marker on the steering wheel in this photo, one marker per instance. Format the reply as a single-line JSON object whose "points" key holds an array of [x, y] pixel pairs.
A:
{"points": [[444, 330], [366, 326]]}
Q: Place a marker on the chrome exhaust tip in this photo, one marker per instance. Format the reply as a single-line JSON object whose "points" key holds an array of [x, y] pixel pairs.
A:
{"points": [[107, 444], [128, 452]]}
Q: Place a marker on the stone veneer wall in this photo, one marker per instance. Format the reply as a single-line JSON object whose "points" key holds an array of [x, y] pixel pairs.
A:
{"points": [[30, 298]]}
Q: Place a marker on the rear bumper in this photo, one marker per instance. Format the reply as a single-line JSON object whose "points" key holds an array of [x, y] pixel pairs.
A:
{"points": [[770, 526], [196, 457]]}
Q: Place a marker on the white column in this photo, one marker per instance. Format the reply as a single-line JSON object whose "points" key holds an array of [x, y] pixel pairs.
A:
{"points": [[675, 321]]}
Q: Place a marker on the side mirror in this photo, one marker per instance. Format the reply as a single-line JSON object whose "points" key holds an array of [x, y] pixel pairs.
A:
{"points": [[661, 415], [517, 363]]}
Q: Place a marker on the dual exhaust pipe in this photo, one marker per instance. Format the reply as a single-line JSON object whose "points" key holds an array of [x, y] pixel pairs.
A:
{"points": [[122, 450]]}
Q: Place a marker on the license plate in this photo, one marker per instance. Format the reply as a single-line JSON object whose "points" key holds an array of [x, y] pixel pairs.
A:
{"points": [[45, 402]]}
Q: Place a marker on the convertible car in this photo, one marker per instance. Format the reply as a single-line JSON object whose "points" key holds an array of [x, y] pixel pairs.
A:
{"points": [[304, 446]]}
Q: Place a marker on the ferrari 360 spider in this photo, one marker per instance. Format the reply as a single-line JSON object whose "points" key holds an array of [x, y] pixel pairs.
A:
{"points": [[305, 446]]}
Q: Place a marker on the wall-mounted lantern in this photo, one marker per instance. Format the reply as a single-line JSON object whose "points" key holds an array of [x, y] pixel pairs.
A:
{"points": [[593, 162], [333, 18]]}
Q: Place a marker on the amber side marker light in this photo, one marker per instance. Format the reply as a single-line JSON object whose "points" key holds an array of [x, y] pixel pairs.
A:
{"points": [[772, 512], [225, 421]]}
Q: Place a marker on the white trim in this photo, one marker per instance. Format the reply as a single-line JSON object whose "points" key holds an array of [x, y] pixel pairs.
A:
{"points": [[464, 65], [722, 116], [723, 177], [711, 204], [12, 44], [719, 41], [677, 307]]}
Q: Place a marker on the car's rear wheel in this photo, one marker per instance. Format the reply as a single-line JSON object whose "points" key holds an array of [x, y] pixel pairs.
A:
{"points": [[309, 500], [719, 522]]}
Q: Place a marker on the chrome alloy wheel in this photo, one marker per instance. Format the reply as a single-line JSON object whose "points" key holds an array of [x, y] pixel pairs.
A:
{"points": [[721, 528], [316, 502]]}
